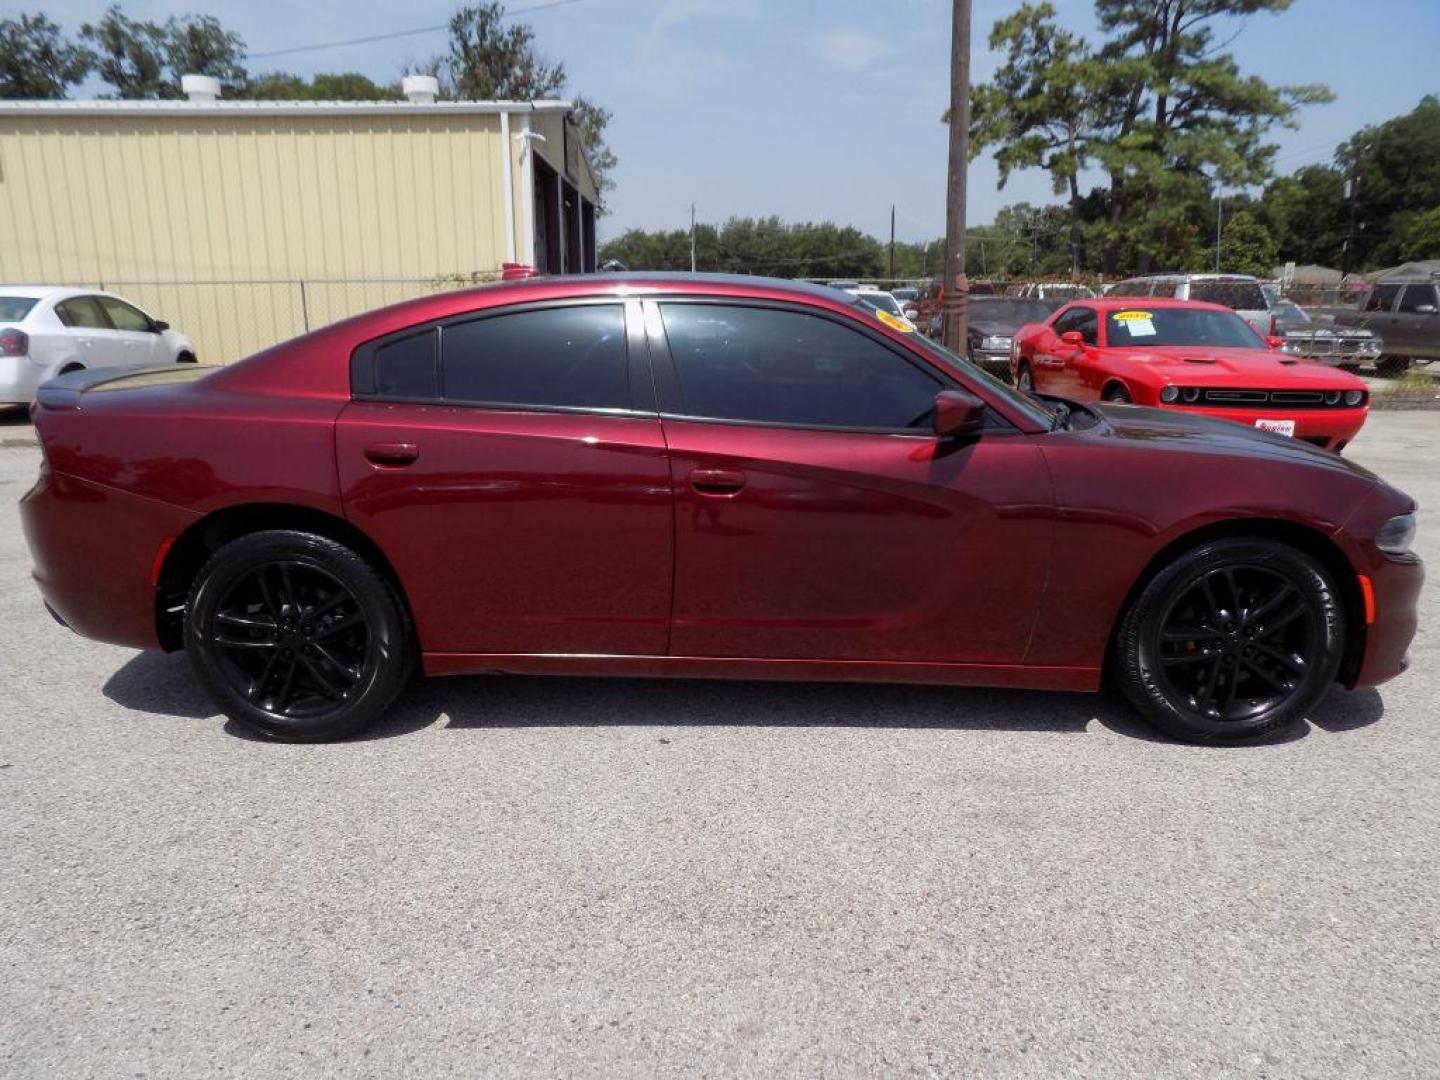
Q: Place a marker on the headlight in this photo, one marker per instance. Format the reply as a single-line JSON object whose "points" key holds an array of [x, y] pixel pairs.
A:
{"points": [[1191, 393], [1370, 348], [1396, 534], [1332, 397], [1292, 346], [1354, 397], [1170, 393], [995, 344]]}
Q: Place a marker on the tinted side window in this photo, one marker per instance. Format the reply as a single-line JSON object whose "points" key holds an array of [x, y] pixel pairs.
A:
{"points": [[1416, 297], [82, 312], [572, 357], [1080, 318], [123, 316], [406, 368], [1382, 298], [785, 367]]}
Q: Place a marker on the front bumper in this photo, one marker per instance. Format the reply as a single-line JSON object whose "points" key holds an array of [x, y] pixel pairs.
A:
{"points": [[1332, 429], [1396, 582], [996, 363]]}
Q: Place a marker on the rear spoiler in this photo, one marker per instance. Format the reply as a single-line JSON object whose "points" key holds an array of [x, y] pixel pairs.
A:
{"points": [[65, 391]]}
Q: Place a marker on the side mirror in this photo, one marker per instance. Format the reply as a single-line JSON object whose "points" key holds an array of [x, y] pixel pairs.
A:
{"points": [[1073, 337], [958, 413], [160, 326], [1274, 342]]}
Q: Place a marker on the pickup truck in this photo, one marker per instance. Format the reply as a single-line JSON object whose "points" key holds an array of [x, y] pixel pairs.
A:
{"points": [[1405, 313]]}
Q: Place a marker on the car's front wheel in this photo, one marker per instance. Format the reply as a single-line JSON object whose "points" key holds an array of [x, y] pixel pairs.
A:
{"points": [[1231, 641], [296, 636], [1025, 379]]}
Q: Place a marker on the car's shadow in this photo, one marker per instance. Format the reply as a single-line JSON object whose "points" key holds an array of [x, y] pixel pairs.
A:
{"points": [[160, 684]]}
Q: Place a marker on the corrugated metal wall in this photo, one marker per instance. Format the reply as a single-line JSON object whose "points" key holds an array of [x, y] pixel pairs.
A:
{"points": [[214, 222]]}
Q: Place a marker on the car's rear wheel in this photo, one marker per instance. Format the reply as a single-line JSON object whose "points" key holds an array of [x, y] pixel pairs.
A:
{"points": [[1233, 640], [297, 636], [1025, 379], [1390, 366]]}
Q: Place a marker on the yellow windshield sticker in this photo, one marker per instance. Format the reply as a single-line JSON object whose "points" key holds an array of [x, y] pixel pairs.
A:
{"points": [[1133, 316], [894, 322]]}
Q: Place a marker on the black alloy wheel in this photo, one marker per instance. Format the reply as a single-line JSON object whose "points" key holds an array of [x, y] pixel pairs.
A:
{"points": [[1231, 641], [297, 636]]}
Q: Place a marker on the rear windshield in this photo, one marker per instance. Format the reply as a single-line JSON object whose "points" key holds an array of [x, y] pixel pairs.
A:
{"points": [[15, 308], [1240, 295], [1142, 327], [1006, 309]]}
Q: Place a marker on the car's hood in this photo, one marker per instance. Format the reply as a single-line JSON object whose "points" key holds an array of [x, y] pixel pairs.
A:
{"points": [[996, 327], [1241, 367], [1184, 430]]}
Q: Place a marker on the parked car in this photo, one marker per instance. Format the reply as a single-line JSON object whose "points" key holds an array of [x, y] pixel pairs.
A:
{"points": [[1405, 312], [1058, 292], [881, 300], [698, 476], [1189, 357], [992, 323], [1241, 293], [46, 330], [1341, 346], [905, 294]]}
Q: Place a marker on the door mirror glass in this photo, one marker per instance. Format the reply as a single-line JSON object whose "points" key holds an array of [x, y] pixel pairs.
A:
{"points": [[958, 413], [1073, 337]]}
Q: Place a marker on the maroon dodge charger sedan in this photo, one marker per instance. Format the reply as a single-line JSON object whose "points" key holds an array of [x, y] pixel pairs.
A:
{"points": [[702, 477]]}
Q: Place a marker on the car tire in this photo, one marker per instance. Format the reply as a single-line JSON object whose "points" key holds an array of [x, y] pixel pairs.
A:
{"points": [[1391, 366], [186, 358], [1231, 641], [297, 637], [1350, 369], [1025, 379], [1119, 395]]}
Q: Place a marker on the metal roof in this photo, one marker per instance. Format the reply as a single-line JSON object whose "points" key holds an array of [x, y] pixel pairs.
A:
{"points": [[99, 107]]}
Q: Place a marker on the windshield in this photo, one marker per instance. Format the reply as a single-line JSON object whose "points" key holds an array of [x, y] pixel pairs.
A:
{"points": [[1240, 295], [1005, 310], [1159, 326], [15, 308], [905, 293], [882, 300]]}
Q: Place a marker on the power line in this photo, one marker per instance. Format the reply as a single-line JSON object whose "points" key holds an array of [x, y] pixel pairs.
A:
{"points": [[395, 34]]}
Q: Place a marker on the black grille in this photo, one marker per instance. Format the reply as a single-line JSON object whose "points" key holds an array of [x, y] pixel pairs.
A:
{"points": [[1293, 399]]}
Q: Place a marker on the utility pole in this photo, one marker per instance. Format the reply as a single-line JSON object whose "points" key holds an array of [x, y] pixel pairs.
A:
{"points": [[1219, 222], [957, 288], [1352, 194], [892, 244], [692, 238]]}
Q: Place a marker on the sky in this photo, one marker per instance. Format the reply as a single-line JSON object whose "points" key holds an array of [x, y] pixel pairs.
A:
{"points": [[820, 109]]}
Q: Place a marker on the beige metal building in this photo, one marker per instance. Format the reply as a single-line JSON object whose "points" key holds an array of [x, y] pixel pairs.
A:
{"points": [[245, 223]]}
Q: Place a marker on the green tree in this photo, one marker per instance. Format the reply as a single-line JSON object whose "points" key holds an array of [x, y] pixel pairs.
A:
{"points": [[1394, 172], [1040, 110], [592, 120], [130, 55], [1306, 214], [340, 86], [140, 59], [1246, 246], [1419, 235], [36, 60], [489, 60], [200, 45]]}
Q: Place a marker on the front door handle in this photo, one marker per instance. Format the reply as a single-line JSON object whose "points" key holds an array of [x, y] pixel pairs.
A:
{"points": [[391, 453], [717, 481]]}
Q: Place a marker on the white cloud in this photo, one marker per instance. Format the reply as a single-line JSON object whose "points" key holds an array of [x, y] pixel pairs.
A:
{"points": [[853, 50]]}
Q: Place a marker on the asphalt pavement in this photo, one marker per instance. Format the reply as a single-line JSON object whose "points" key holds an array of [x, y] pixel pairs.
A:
{"points": [[528, 877]]}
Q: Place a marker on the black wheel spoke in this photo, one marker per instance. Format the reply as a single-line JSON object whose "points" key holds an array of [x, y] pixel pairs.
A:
{"points": [[282, 699], [1232, 678], [1187, 633], [329, 605], [1259, 671], [1216, 616], [1274, 625], [258, 686], [323, 681], [242, 643], [1205, 696], [351, 675], [1269, 607], [287, 588], [245, 622], [1295, 664], [1186, 658]]}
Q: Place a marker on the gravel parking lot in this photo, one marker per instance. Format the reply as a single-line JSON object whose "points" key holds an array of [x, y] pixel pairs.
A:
{"points": [[578, 877]]}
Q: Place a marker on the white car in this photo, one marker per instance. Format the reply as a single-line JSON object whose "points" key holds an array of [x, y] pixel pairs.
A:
{"points": [[46, 331], [881, 301]]}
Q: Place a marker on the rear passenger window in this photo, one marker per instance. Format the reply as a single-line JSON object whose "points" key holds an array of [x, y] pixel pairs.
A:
{"points": [[784, 368], [82, 312], [1382, 298], [406, 368], [563, 357]]}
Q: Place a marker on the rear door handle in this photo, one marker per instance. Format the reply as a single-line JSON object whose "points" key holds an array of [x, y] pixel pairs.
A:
{"points": [[391, 453], [717, 481]]}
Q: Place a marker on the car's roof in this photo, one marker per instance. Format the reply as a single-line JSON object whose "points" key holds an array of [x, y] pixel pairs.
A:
{"points": [[48, 292], [1107, 303]]}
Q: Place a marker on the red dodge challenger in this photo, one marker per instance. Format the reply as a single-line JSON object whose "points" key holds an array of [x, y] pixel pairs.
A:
{"points": [[702, 477], [1187, 356]]}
